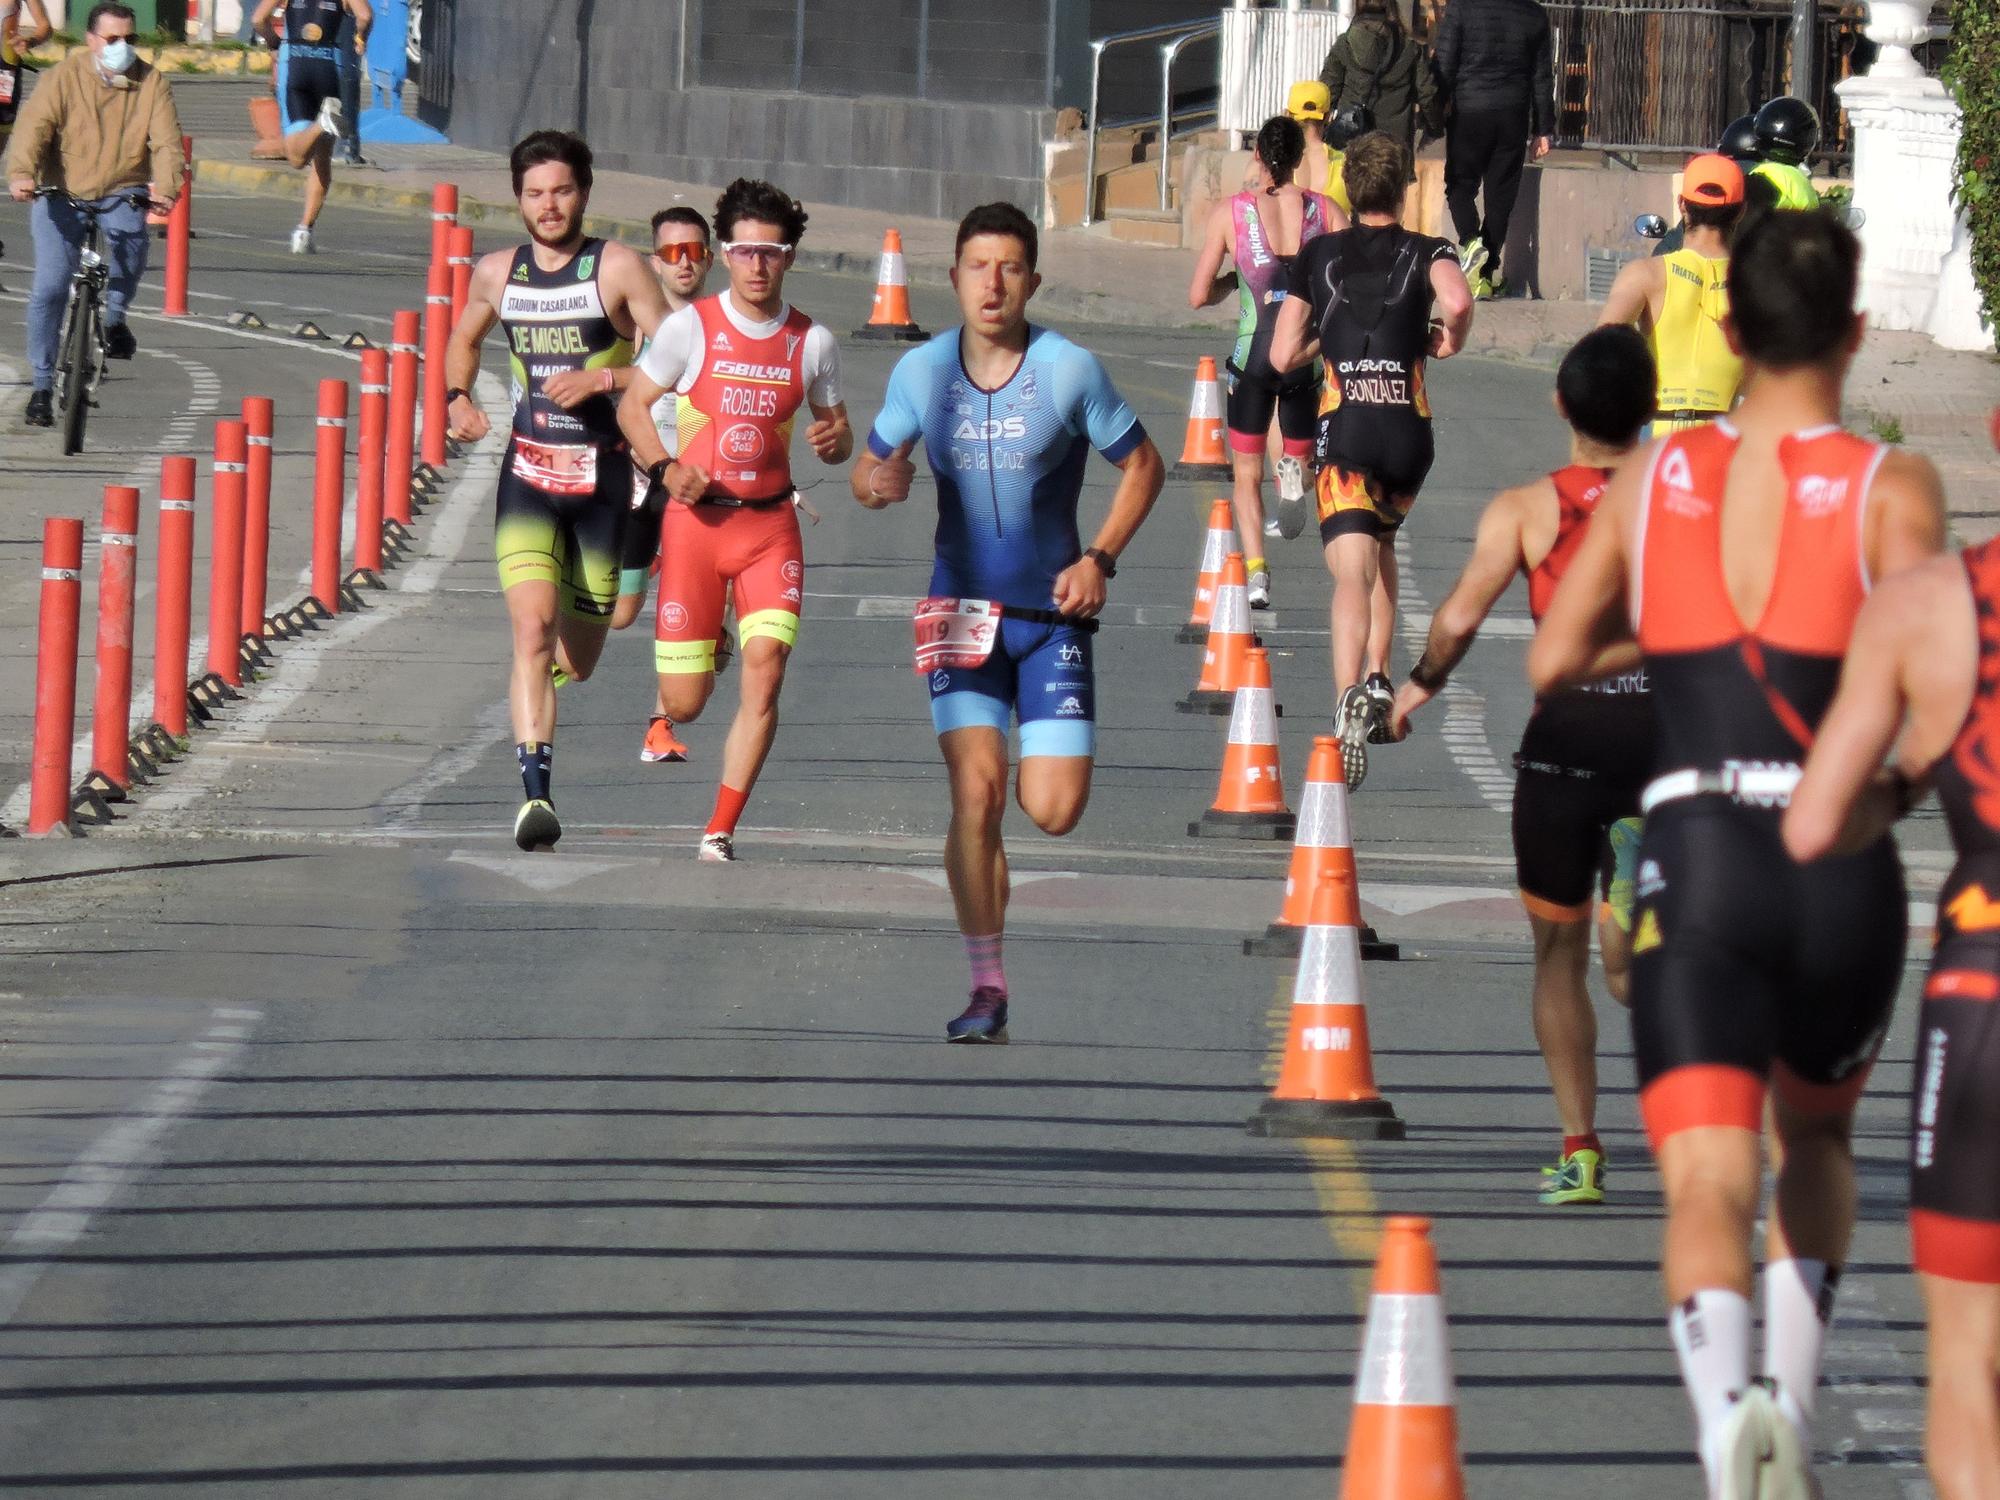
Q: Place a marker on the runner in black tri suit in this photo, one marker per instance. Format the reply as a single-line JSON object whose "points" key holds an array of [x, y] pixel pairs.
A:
{"points": [[308, 83], [1739, 554], [1923, 676], [1363, 300], [572, 308]]}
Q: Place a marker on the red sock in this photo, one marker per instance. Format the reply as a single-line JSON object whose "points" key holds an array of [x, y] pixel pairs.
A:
{"points": [[1574, 1143], [728, 808]]}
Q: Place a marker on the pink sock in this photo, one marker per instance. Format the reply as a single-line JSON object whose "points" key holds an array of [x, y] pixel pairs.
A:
{"points": [[983, 953]]}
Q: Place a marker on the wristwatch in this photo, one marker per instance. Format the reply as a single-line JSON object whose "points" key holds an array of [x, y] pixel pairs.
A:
{"points": [[1106, 563], [452, 393], [657, 472]]}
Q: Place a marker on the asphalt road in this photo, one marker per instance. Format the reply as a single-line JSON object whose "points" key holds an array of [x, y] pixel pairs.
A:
{"points": [[344, 1150]]}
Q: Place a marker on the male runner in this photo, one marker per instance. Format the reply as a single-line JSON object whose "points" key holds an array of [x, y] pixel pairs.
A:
{"points": [[1923, 676], [1362, 300], [1008, 414], [1586, 752], [309, 90], [742, 363], [682, 254], [1680, 299], [1751, 974], [571, 308]]}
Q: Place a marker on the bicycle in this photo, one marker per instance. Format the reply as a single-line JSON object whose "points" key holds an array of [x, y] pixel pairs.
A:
{"points": [[80, 352]]}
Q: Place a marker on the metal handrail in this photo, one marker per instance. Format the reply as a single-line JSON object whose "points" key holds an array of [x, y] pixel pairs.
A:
{"points": [[1169, 51], [1169, 33]]}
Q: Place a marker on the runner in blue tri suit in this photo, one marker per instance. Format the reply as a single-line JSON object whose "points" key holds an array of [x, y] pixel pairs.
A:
{"points": [[1008, 414]]}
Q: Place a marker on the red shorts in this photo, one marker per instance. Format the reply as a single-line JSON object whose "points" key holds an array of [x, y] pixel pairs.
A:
{"points": [[704, 549]]}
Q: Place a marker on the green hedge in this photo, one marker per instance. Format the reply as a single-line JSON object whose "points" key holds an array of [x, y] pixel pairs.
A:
{"points": [[1971, 72]]}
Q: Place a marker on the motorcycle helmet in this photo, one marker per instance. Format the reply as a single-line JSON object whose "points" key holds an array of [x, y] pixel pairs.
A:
{"points": [[1739, 142], [1787, 130]]}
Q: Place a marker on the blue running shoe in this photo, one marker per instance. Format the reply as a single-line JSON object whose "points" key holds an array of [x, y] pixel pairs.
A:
{"points": [[984, 1020]]}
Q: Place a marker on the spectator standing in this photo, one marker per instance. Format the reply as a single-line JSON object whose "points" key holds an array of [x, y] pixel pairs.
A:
{"points": [[1377, 67], [1498, 65], [353, 59]]}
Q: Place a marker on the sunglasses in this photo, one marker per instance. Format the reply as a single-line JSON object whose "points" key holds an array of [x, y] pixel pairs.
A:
{"points": [[682, 250], [744, 251]]}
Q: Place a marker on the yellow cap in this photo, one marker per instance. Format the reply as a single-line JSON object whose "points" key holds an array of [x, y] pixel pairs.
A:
{"points": [[1309, 101]]}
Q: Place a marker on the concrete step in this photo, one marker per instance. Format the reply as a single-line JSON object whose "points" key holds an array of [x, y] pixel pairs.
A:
{"points": [[1147, 226]]}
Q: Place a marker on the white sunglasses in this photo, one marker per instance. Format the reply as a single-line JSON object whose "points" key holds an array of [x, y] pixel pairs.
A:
{"points": [[755, 249]]}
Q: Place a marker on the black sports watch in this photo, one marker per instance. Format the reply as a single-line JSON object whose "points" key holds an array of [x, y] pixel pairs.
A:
{"points": [[1106, 563], [657, 472], [452, 393]]}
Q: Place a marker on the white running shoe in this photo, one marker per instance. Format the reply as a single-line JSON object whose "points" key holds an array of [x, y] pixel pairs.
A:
{"points": [[302, 240], [1352, 717], [1746, 1444], [1260, 589], [1291, 497], [328, 118], [1788, 1472], [1271, 527], [716, 849]]}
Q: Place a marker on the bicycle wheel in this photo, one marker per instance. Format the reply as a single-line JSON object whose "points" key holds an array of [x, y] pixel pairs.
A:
{"points": [[73, 371]]}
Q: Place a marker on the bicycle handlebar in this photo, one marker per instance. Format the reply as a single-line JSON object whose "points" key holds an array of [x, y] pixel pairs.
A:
{"points": [[138, 197]]}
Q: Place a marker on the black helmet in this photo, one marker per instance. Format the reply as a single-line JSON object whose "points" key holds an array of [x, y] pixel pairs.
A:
{"points": [[1739, 142], [1787, 130], [1349, 121]]}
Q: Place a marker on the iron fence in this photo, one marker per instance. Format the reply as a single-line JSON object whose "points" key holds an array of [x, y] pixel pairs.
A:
{"points": [[435, 22]]}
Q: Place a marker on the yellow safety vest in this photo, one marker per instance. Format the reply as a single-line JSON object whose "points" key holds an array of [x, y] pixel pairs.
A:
{"points": [[1698, 370]]}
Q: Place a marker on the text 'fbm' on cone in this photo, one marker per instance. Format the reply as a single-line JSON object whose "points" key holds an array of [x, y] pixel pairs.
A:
{"points": [[1202, 454], [1403, 1441], [1326, 1082], [1215, 542], [1250, 796], [1324, 842]]}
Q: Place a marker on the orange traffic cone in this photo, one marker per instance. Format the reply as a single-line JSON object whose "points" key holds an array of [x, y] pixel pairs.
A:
{"points": [[1325, 842], [1326, 1083], [1214, 548], [1225, 662], [1202, 454], [891, 316], [1403, 1442], [1250, 798]]}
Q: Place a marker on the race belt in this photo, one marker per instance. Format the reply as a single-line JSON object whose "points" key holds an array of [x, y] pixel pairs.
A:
{"points": [[1751, 783], [961, 632], [556, 468]]}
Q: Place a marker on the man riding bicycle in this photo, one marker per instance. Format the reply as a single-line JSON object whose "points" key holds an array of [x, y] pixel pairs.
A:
{"points": [[102, 131]]}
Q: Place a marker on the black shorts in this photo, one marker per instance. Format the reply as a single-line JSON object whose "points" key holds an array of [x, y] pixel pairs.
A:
{"points": [[1750, 970], [306, 80], [1372, 461], [1955, 1108], [1259, 392], [574, 541], [1585, 757]]}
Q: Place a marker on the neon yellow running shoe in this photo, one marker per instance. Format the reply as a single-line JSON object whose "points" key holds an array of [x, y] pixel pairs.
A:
{"points": [[1623, 894], [1577, 1178]]}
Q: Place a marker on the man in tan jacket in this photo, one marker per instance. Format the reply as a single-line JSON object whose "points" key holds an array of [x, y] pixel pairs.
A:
{"points": [[100, 127]]}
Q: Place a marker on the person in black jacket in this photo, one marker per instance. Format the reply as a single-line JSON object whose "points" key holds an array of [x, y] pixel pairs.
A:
{"points": [[1375, 65], [1498, 66]]}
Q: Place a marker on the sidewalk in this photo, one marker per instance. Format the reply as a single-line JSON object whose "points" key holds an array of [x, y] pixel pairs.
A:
{"points": [[1937, 399]]}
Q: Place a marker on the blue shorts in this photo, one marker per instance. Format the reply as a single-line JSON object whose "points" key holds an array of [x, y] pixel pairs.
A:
{"points": [[1041, 674], [307, 78]]}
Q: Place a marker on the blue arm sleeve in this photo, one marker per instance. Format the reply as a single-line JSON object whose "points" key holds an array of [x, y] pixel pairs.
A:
{"points": [[902, 415], [1094, 407]]}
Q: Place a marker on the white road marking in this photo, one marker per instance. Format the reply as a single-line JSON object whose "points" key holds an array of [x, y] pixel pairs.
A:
{"points": [[542, 872], [113, 1160], [1464, 728], [404, 803]]}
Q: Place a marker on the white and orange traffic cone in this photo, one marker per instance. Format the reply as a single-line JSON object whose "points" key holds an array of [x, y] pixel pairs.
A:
{"points": [[1403, 1441], [1325, 841], [1225, 660], [1326, 1082], [1215, 544], [1202, 453], [890, 318], [1250, 797]]}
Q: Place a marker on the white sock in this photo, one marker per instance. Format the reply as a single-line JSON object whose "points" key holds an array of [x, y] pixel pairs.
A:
{"points": [[1798, 1304], [1711, 1334]]}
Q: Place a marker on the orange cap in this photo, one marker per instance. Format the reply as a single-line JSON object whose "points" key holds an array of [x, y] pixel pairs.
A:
{"points": [[1712, 181]]}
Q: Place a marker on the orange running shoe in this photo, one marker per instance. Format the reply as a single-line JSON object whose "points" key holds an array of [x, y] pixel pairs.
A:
{"points": [[661, 741]]}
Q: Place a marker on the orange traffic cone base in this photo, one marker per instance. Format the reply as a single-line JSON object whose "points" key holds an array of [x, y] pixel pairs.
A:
{"points": [[1244, 825], [895, 333], [1327, 1119], [1218, 703], [1283, 940], [1185, 470]]}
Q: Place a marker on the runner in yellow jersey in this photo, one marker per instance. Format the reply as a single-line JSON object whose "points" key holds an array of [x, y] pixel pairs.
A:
{"points": [[1679, 300]]}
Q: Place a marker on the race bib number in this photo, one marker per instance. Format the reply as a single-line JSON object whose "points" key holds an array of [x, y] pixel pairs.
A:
{"points": [[955, 633], [9, 80], [557, 469]]}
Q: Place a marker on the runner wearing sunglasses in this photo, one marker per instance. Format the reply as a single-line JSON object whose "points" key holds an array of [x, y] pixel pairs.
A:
{"points": [[741, 363]]}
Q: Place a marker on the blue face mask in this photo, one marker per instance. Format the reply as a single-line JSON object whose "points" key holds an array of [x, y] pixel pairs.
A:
{"points": [[117, 56]]}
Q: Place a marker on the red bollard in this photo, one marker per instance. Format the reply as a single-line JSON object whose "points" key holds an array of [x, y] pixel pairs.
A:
{"points": [[370, 457], [402, 452], [117, 570], [329, 493], [437, 332], [180, 229], [174, 601], [55, 673], [225, 553], [259, 418], [460, 258], [444, 218]]}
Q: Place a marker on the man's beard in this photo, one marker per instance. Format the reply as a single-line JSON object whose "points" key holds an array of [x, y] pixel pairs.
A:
{"points": [[572, 232]]}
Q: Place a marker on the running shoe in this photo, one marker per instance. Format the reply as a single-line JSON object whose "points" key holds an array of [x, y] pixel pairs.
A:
{"points": [[1260, 589], [1624, 890], [1576, 1178], [1350, 725], [1272, 529], [661, 743], [302, 240], [535, 826], [328, 118], [1482, 289], [1291, 496], [984, 1020], [716, 849], [119, 342], [1746, 1444], [1496, 285], [1381, 699], [1472, 257], [1788, 1471]]}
